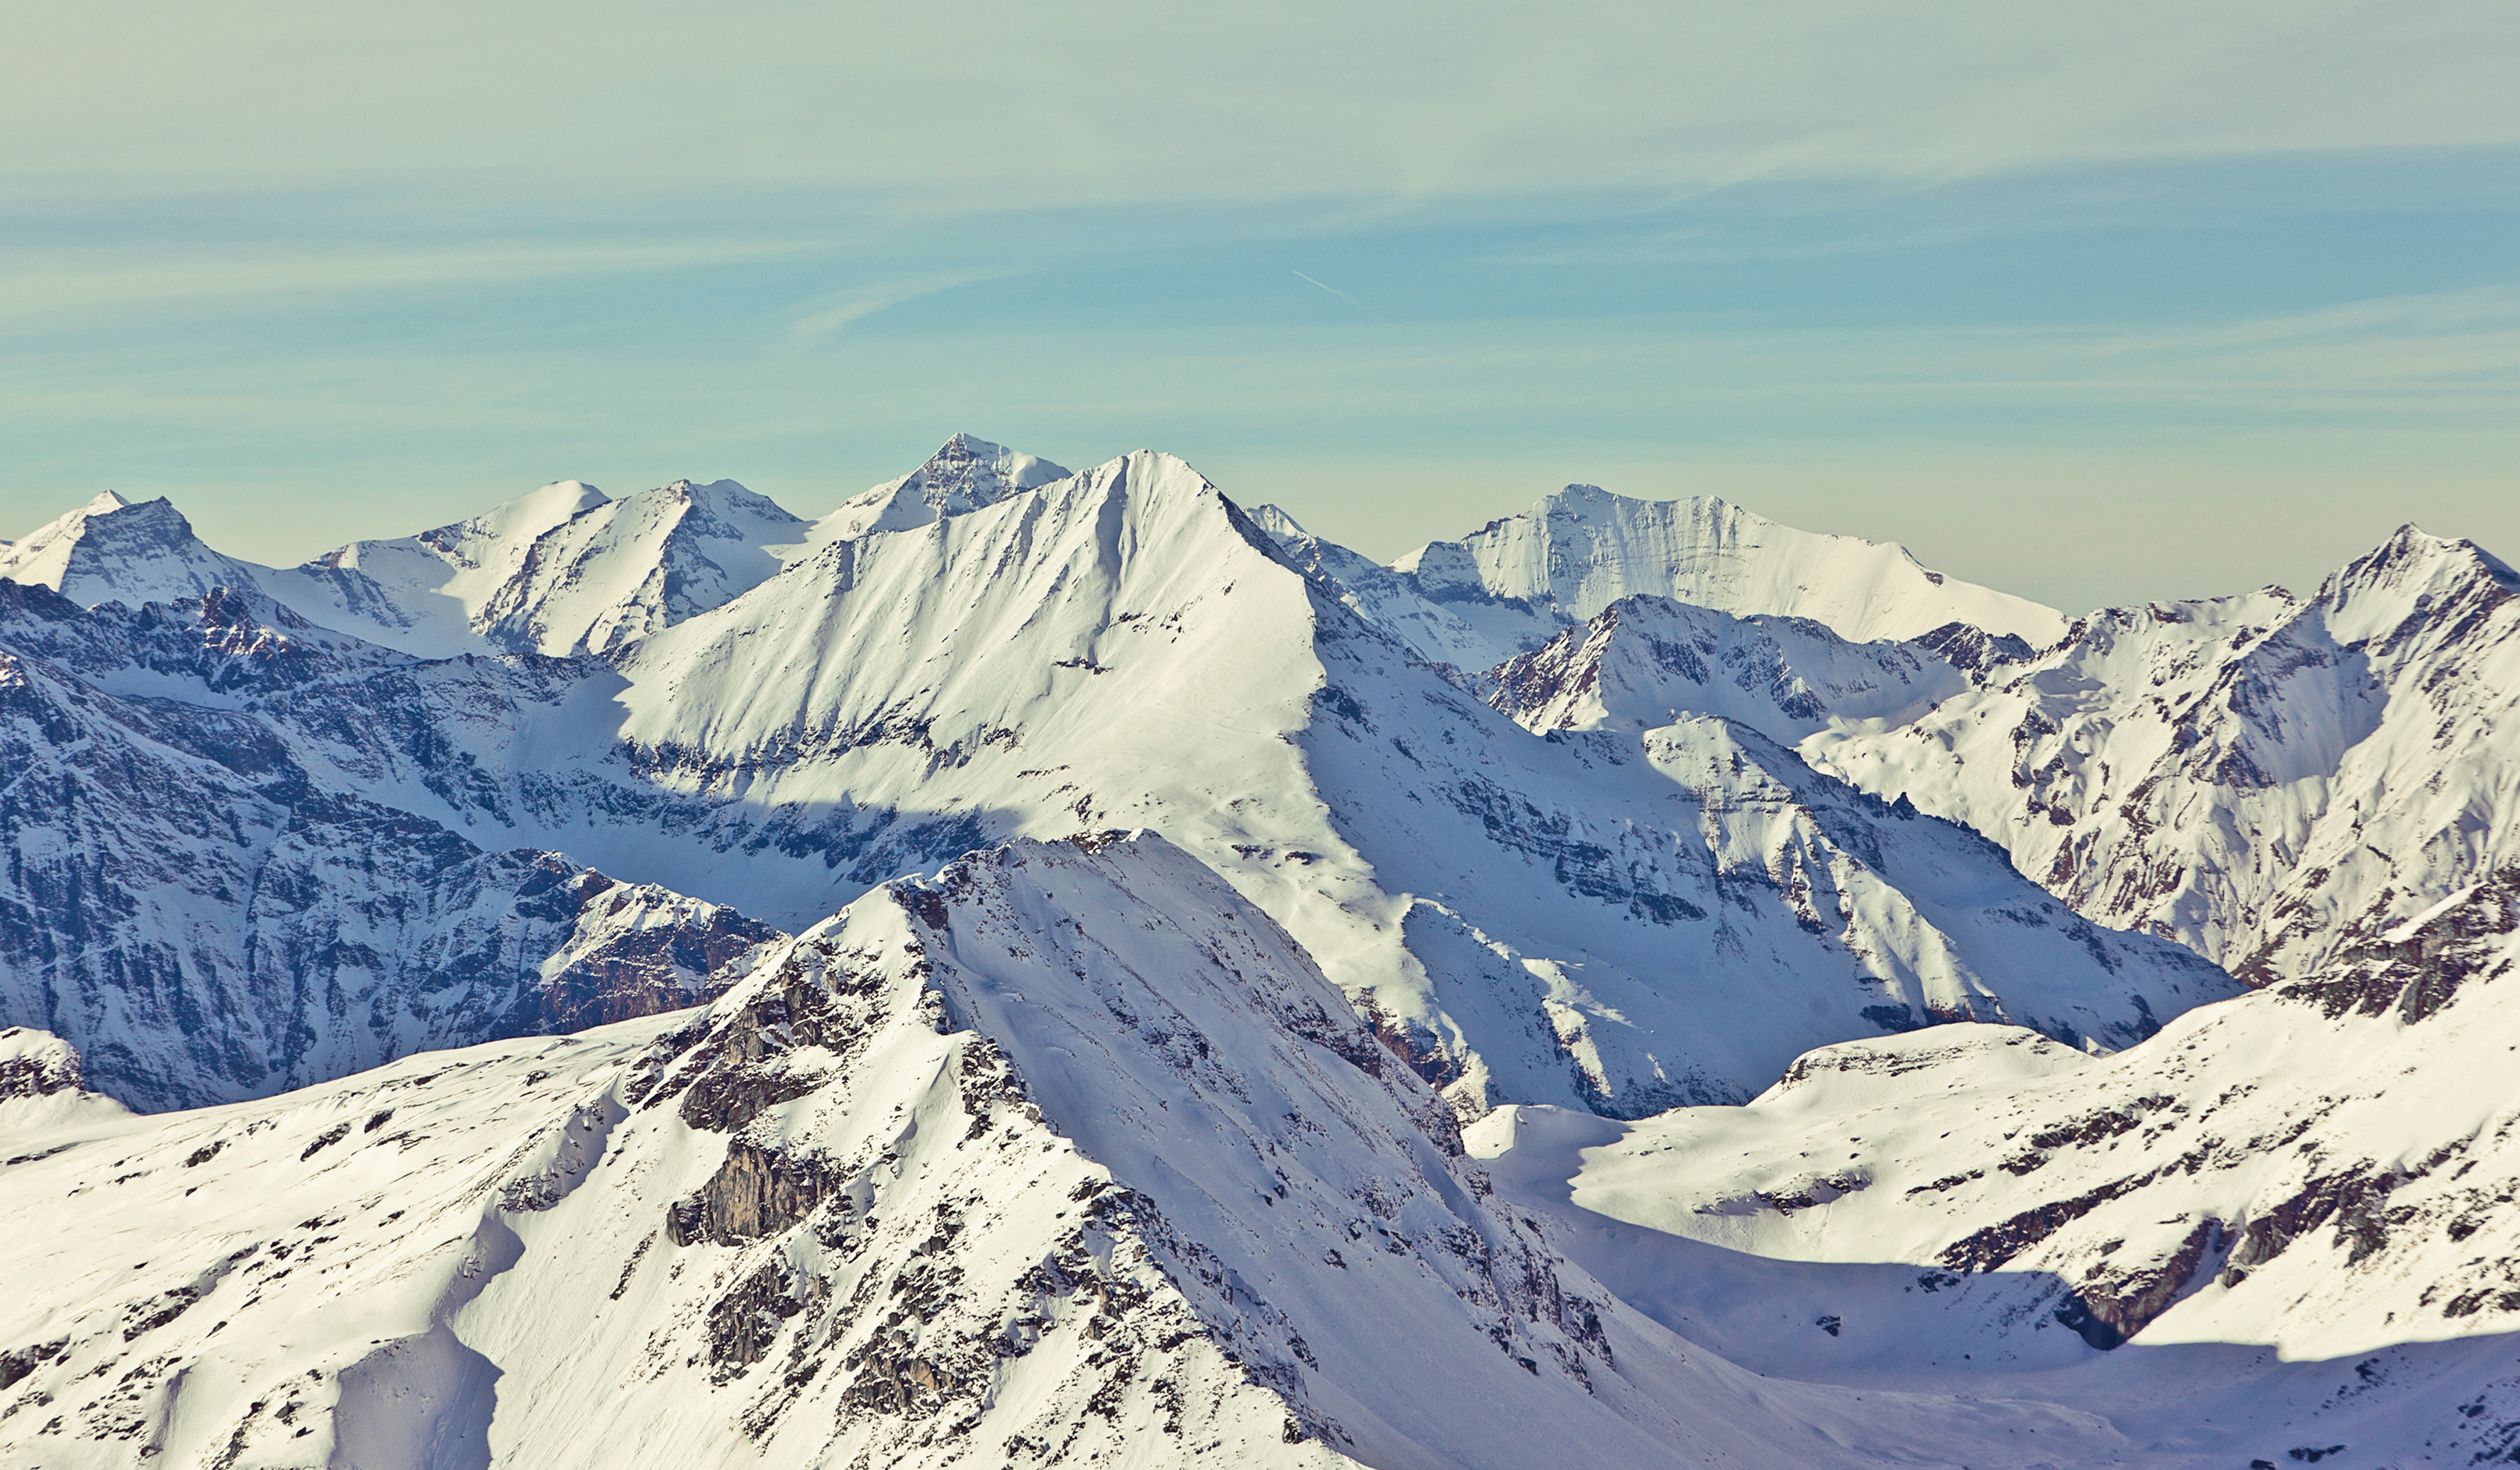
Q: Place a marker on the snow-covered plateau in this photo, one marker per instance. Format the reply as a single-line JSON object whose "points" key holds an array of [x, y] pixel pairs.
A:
{"points": [[1042, 968]]}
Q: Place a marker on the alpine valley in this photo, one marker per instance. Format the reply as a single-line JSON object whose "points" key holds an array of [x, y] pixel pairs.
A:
{"points": [[1043, 968]]}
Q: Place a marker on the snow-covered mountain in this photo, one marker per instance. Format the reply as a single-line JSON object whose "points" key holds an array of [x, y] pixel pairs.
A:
{"points": [[1148, 1149], [966, 475], [207, 920], [1065, 1156], [435, 587], [1582, 548], [1606, 921], [111, 549], [1583, 921], [2301, 1197], [2261, 777], [616, 571], [1642, 661]]}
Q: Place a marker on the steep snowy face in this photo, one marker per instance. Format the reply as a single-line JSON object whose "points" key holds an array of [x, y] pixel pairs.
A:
{"points": [[1641, 661], [622, 569], [111, 550], [1066, 1156], [2260, 777], [208, 918], [1582, 548], [1605, 922], [966, 475], [436, 586], [1470, 633], [2326, 1167]]}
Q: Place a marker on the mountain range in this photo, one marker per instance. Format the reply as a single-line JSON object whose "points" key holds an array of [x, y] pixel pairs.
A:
{"points": [[1034, 966]]}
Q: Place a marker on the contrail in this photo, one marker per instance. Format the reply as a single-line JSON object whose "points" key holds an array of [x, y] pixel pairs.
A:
{"points": [[1332, 290]]}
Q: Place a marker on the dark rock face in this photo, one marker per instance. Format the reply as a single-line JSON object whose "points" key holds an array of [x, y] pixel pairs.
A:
{"points": [[186, 902], [35, 1065]]}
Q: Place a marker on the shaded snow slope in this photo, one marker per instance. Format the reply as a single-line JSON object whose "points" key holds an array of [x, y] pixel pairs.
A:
{"points": [[206, 921], [2267, 779], [1582, 548], [1066, 1156]]}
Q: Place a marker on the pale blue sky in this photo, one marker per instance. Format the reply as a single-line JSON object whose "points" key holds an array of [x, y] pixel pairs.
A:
{"points": [[2170, 301]]}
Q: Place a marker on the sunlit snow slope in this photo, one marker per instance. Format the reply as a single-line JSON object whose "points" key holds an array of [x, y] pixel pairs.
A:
{"points": [[1065, 1156]]}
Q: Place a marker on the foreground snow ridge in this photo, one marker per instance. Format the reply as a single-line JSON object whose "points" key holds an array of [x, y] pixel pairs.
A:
{"points": [[1065, 1155]]}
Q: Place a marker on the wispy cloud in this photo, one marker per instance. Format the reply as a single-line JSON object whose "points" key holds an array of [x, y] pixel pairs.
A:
{"points": [[39, 282], [1332, 290], [832, 313]]}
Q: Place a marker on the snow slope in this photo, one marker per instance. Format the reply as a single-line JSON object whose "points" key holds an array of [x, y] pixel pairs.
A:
{"points": [[1065, 1156], [1582, 548], [1469, 634], [615, 572], [2264, 778], [2317, 1174], [436, 585], [1548, 920]]}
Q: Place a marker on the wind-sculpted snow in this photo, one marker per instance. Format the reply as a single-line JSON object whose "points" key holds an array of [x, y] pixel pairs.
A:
{"points": [[2267, 780], [1066, 1156], [1581, 549], [2324, 1168]]}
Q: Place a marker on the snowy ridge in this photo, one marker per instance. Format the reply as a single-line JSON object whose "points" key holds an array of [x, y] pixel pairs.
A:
{"points": [[1065, 1156], [2264, 778], [1545, 920], [437, 584], [2320, 1173], [1582, 548], [615, 572], [1642, 660]]}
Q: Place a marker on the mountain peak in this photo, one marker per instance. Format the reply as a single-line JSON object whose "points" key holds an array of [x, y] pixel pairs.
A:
{"points": [[965, 473], [1581, 548]]}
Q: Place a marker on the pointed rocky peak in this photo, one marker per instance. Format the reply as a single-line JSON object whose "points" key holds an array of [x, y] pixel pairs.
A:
{"points": [[2413, 557], [115, 550], [965, 474]]}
